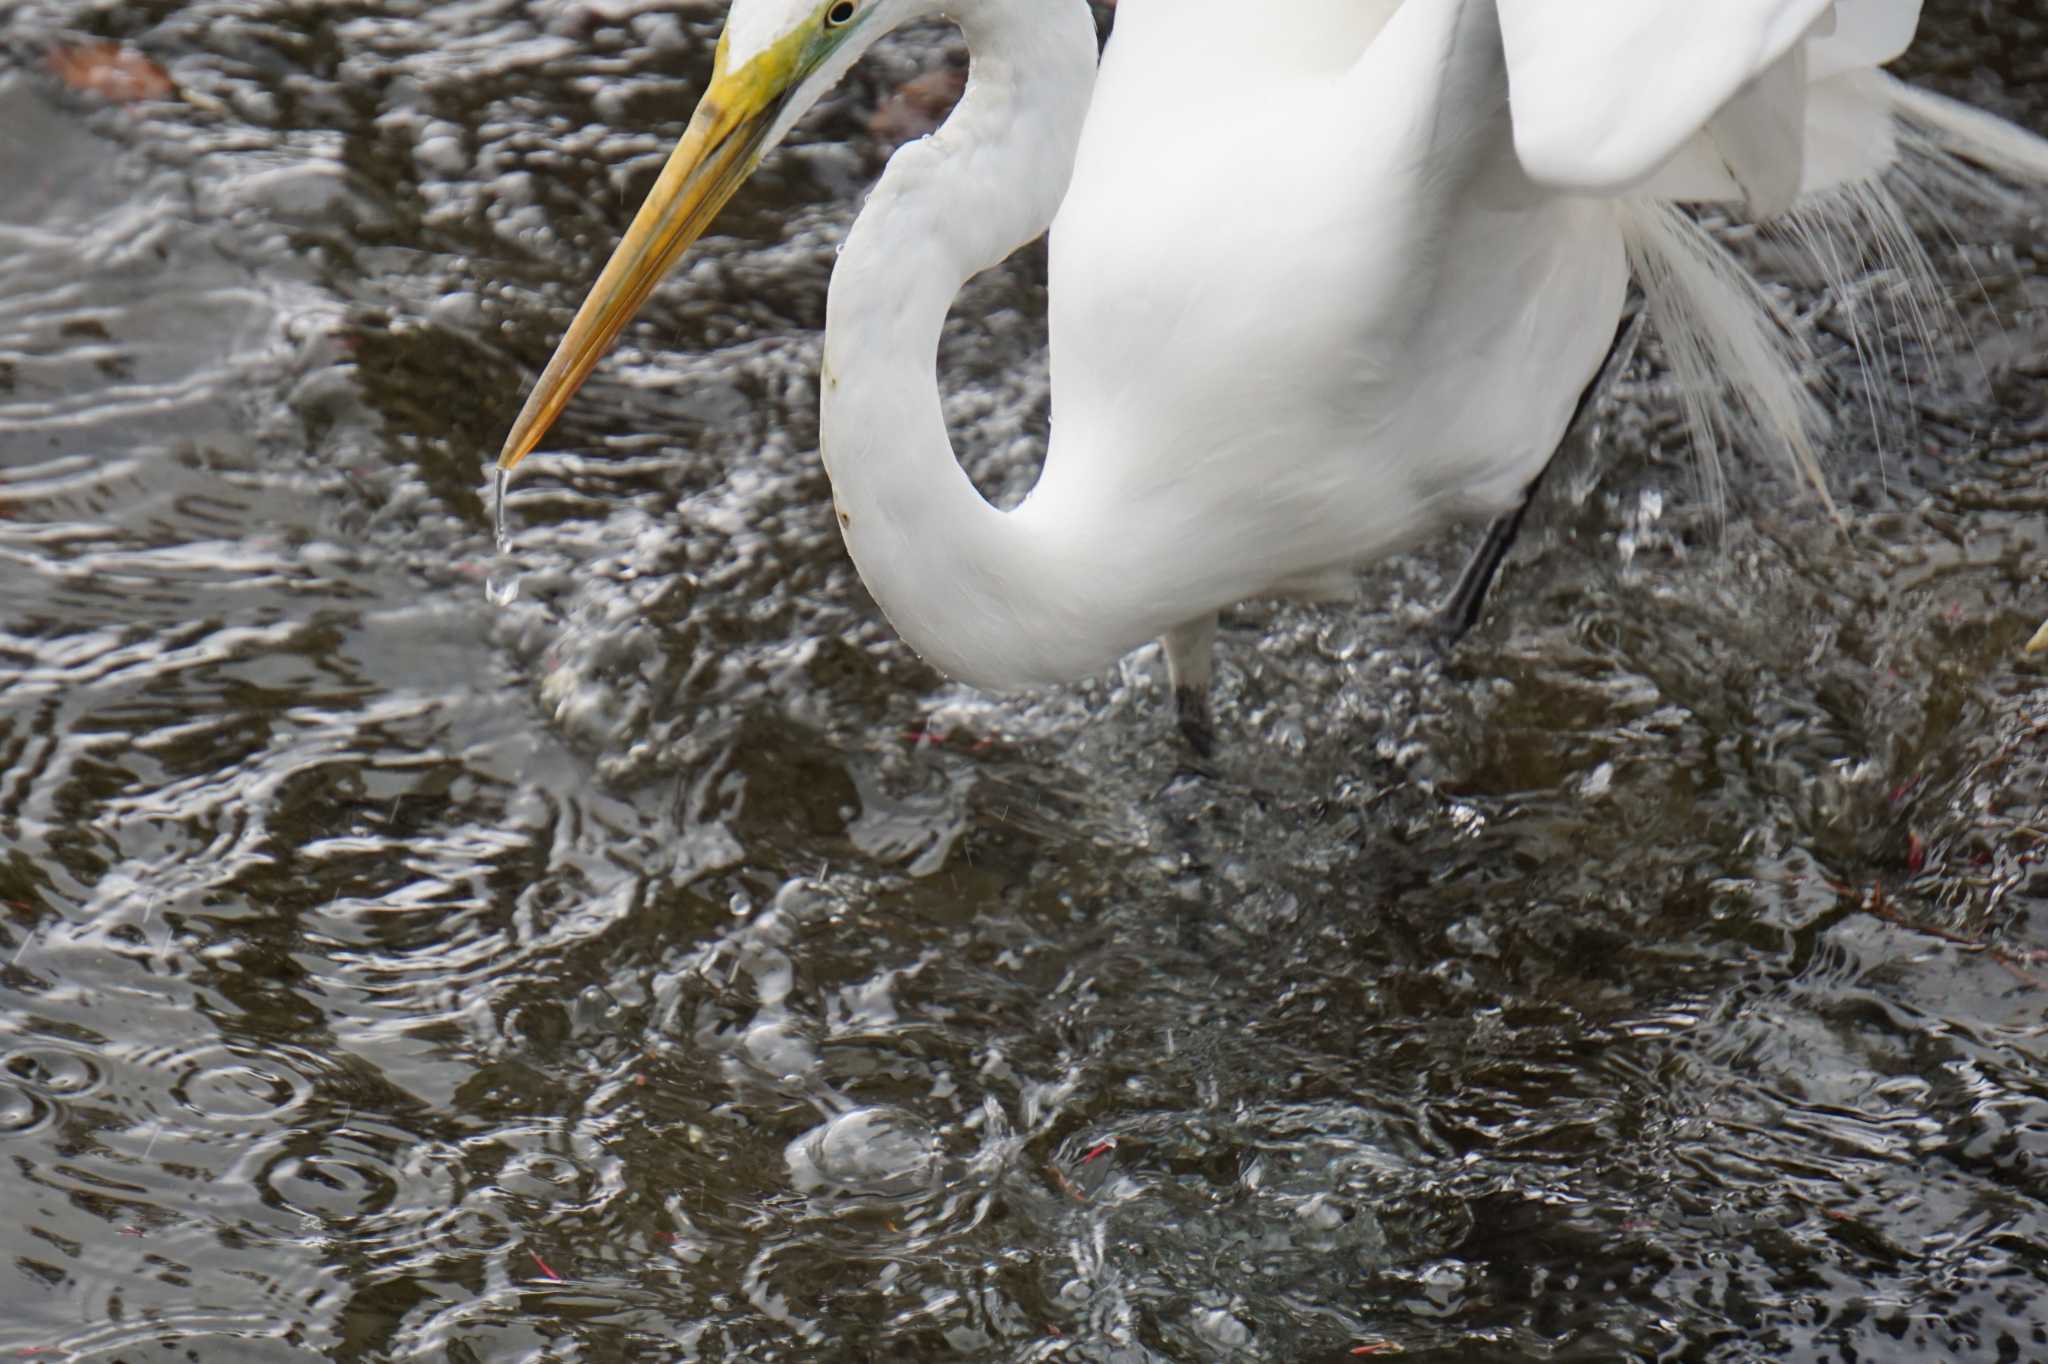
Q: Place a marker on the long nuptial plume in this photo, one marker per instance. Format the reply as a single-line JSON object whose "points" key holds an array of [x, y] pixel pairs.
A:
{"points": [[1889, 156]]}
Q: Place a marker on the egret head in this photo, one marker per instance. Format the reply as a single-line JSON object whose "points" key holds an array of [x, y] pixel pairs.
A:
{"points": [[775, 58]]}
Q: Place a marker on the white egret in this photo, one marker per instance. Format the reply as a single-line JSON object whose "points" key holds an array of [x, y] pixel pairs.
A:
{"points": [[1326, 276]]}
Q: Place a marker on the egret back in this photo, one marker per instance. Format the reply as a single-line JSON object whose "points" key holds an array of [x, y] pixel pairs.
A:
{"points": [[1304, 325], [1197, 43]]}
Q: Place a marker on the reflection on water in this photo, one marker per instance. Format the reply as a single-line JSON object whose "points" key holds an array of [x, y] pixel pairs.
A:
{"points": [[660, 963]]}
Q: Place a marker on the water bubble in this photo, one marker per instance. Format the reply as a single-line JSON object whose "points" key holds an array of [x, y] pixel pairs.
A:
{"points": [[596, 1010], [1598, 782], [1323, 1213], [880, 1150], [472, 1228], [1342, 637], [1220, 1328], [239, 1089], [779, 1048], [544, 1177]]}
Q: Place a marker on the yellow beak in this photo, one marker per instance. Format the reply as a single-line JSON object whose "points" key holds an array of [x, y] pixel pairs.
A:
{"points": [[721, 147]]}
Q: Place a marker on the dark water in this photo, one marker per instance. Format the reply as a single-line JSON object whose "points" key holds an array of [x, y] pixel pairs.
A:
{"points": [[664, 965]]}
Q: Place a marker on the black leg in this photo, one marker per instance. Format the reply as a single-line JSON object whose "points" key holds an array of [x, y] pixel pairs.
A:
{"points": [[1197, 724], [1190, 657], [1461, 612]]}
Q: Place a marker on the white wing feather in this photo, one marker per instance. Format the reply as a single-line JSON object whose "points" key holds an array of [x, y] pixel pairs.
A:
{"points": [[1760, 135], [1762, 100], [1867, 33], [1604, 92]]}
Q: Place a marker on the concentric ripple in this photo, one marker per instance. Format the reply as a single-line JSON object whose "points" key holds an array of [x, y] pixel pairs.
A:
{"points": [[22, 1110], [232, 1088], [332, 1185], [543, 1177], [51, 1071]]}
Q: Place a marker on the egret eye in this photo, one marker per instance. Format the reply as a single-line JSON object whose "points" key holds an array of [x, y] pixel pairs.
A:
{"points": [[839, 15]]}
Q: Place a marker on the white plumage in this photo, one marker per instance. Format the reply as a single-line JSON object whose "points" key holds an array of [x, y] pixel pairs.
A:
{"points": [[1327, 276]]}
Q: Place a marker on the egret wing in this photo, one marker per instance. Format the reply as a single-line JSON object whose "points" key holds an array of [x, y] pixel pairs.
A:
{"points": [[1698, 101], [1604, 92], [1866, 33]]}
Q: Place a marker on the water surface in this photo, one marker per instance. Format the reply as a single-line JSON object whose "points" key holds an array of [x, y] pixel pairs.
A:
{"points": [[626, 949]]}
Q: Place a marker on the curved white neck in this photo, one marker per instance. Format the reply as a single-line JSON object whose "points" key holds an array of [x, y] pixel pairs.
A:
{"points": [[960, 580]]}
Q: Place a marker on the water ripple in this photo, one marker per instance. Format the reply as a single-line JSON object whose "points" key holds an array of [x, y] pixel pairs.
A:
{"points": [[661, 962]]}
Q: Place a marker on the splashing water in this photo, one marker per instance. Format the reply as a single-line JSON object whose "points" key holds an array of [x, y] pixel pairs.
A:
{"points": [[502, 587]]}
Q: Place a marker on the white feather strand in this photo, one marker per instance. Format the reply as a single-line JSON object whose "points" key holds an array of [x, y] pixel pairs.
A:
{"points": [[1737, 362], [1883, 156]]}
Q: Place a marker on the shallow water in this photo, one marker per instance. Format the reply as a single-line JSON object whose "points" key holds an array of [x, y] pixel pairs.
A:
{"points": [[625, 949]]}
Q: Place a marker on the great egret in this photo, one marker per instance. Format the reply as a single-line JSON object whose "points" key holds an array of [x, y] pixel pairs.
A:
{"points": [[1326, 276]]}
